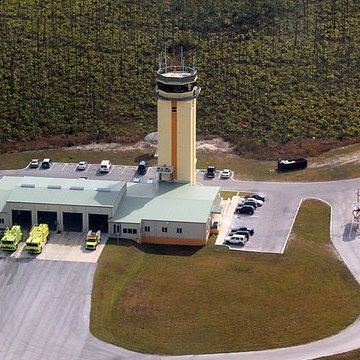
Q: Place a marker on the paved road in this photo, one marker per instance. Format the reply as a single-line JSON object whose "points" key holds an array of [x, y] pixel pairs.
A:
{"points": [[45, 305]]}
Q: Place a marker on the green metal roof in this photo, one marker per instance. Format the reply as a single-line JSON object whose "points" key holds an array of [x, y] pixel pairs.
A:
{"points": [[166, 202], [58, 191]]}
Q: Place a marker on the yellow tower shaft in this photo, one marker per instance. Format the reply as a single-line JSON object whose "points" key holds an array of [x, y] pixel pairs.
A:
{"points": [[174, 137], [177, 91]]}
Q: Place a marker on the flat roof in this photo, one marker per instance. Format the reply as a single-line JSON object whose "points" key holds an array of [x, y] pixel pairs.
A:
{"points": [[59, 191], [166, 202]]}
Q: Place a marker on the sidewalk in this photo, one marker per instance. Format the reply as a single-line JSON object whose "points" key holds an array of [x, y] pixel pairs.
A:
{"points": [[229, 206]]}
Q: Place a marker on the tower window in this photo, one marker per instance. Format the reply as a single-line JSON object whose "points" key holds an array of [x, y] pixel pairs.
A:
{"points": [[174, 109], [179, 230], [164, 229]]}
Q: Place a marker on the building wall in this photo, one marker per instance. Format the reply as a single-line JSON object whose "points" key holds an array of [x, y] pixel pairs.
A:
{"points": [[59, 209], [167, 232], [130, 231], [164, 132], [186, 134], [4, 220], [177, 137]]}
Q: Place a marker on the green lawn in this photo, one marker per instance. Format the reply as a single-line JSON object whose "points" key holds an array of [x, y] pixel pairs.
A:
{"points": [[177, 300], [227, 194]]}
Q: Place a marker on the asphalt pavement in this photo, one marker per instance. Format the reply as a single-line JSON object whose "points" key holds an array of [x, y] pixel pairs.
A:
{"points": [[45, 305]]}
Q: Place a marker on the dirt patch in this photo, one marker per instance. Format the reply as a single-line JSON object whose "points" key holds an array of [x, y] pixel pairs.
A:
{"points": [[213, 145], [115, 147], [339, 159]]}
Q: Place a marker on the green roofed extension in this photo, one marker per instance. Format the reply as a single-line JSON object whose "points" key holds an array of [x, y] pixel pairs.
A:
{"points": [[166, 202]]}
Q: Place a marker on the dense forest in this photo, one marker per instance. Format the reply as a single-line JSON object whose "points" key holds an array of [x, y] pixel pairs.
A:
{"points": [[270, 70]]}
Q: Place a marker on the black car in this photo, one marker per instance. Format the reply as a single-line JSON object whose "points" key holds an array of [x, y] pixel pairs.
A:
{"points": [[241, 232], [142, 168], [258, 196], [210, 172], [46, 164], [244, 209], [249, 229], [251, 203]]}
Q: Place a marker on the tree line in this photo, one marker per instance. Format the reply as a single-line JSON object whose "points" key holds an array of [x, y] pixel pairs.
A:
{"points": [[270, 70]]}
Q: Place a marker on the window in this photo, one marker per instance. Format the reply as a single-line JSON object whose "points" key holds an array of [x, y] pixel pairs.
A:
{"points": [[179, 230], [125, 231], [117, 228], [147, 229], [173, 109], [164, 229], [134, 231], [1, 221]]}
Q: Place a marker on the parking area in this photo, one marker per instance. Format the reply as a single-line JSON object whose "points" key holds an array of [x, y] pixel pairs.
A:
{"points": [[66, 246], [271, 223], [201, 176], [70, 170]]}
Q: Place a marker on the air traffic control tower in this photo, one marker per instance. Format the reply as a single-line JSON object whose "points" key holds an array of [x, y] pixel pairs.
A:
{"points": [[176, 92]]}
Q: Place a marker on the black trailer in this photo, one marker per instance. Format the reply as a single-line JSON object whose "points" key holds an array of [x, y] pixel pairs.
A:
{"points": [[292, 164]]}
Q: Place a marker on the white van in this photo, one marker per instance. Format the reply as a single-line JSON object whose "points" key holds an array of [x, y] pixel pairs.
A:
{"points": [[105, 166]]}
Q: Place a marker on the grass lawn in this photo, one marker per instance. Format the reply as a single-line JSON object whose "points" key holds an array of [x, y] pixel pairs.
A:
{"points": [[227, 194], [178, 300]]}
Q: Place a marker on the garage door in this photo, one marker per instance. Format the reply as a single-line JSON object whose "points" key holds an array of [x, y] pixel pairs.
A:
{"points": [[98, 222], [48, 217], [22, 218], [72, 222]]}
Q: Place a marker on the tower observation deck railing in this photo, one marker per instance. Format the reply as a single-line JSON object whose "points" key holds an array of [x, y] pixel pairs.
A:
{"points": [[176, 74]]}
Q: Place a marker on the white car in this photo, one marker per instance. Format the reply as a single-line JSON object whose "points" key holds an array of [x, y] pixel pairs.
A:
{"points": [[236, 240], [34, 163], [82, 165], [257, 201], [225, 174]]}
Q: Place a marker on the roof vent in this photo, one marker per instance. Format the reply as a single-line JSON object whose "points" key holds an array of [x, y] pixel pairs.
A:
{"points": [[103, 189], [28, 185], [76, 188], [54, 187]]}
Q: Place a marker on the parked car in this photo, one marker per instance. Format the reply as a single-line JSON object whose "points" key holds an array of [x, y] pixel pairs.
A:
{"points": [[210, 172], [142, 168], [245, 209], [34, 163], [257, 201], [225, 174], [105, 166], [236, 240], [46, 163], [259, 196], [241, 232], [249, 229], [251, 203], [82, 165]]}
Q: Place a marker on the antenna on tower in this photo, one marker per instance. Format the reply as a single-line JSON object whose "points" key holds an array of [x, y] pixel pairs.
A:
{"points": [[182, 57], [160, 60]]}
